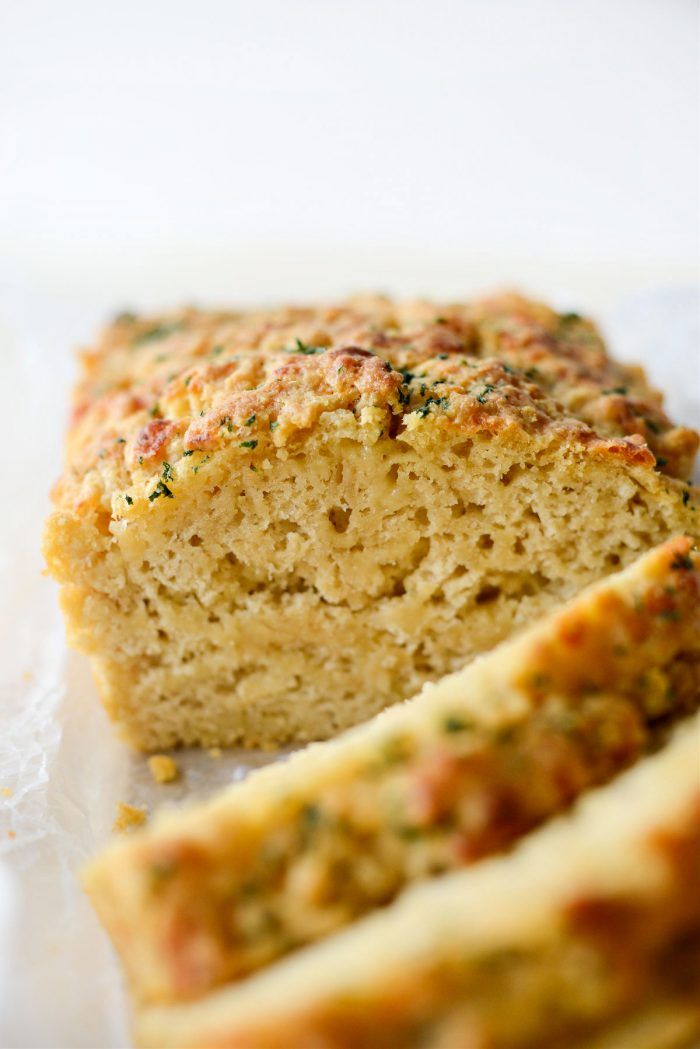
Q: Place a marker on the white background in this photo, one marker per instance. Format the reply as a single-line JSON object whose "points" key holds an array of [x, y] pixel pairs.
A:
{"points": [[554, 129], [152, 152]]}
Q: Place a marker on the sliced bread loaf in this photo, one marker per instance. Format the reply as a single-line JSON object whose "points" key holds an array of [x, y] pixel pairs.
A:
{"points": [[308, 845], [271, 525]]}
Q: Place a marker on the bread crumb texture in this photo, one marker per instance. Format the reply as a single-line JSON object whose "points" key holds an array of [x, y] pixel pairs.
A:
{"points": [[460, 772], [273, 524], [163, 768], [128, 817]]}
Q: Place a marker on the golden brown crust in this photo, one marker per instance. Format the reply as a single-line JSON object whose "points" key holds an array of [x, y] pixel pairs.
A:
{"points": [[156, 388], [588, 920]]}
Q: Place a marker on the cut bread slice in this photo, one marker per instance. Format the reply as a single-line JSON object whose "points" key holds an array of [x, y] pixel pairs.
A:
{"points": [[305, 846], [273, 525], [592, 916], [672, 1022]]}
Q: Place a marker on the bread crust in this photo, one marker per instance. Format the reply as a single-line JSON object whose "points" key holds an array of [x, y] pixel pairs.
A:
{"points": [[588, 920], [154, 388]]}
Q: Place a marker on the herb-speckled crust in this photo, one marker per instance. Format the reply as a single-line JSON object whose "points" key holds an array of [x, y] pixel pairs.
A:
{"points": [[588, 919], [458, 773], [156, 388]]}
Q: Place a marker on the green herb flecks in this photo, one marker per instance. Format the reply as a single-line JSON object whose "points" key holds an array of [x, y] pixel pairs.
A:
{"points": [[304, 348], [457, 723], [396, 750], [160, 489], [160, 331], [482, 397], [438, 402], [250, 420], [167, 472], [248, 444]]}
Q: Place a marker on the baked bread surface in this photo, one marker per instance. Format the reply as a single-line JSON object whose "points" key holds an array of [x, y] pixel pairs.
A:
{"points": [[271, 525], [590, 918], [308, 845]]}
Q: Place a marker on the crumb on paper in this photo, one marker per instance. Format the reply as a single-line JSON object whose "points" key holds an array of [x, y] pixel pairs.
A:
{"points": [[11, 834], [6, 792], [128, 817], [215, 752], [27, 676], [163, 768]]}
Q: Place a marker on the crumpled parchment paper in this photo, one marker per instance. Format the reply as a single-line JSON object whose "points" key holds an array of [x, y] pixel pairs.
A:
{"points": [[62, 771]]}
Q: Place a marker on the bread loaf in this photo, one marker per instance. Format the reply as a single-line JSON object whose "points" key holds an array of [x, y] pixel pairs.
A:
{"points": [[273, 524]]}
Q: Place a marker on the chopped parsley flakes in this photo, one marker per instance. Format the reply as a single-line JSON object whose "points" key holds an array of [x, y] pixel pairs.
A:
{"points": [[302, 347], [482, 397], [160, 331], [439, 402], [160, 489], [454, 723]]}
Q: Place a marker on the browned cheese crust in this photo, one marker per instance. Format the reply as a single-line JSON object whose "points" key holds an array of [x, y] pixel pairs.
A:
{"points": [[155, 387]]}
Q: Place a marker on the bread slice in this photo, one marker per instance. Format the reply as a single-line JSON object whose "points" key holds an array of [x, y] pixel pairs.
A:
{"points": [[305, 846], [272, 525], [671, 1022], [590, 917]]}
